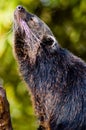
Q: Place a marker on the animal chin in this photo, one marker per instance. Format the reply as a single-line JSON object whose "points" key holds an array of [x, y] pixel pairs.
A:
{"points": [[25, 28], [31, 36]]}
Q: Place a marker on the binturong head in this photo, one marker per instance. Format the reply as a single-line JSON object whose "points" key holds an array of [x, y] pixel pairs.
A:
{"points": [[33, 32]]}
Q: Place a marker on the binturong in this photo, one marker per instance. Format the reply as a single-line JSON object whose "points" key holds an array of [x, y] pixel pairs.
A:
{"points": [[55, 77]]}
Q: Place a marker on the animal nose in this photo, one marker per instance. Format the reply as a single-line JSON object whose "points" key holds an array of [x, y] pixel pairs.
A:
{"points": [[20, 8]]}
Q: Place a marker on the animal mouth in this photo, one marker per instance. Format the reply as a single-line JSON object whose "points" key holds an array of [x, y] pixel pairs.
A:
{"points": [[20, 21], [25, 34]]}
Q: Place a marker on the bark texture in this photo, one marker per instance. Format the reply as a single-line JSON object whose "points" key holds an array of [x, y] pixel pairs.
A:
{"points": [[5, 119]]}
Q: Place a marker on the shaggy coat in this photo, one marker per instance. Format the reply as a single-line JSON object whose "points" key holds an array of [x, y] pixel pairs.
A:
{"points": [[55, 77]]}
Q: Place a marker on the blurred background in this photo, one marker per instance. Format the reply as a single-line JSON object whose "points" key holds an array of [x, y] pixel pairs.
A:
{"points": [[67, 20]]}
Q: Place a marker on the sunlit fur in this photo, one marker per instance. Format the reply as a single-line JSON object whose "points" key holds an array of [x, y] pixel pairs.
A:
{"points": [[55, 77]]}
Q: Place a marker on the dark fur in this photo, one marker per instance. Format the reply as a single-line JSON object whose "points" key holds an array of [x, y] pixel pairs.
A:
{"points": [[55, 77]]}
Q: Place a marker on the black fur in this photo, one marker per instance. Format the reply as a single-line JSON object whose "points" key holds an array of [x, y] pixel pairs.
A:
{"points": [[56, 79]]}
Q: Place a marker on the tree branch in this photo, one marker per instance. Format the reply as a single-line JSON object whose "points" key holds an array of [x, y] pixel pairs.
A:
{"points": [[5, 119]]}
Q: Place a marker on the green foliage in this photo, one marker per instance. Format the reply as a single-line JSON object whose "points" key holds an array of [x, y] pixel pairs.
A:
{"points": [[67, 20]]}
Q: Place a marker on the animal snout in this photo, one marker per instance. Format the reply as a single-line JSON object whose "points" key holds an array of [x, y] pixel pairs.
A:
{"points": [[20, 8]]}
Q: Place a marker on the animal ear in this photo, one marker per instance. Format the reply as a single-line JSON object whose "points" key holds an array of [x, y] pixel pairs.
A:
{"points": [[48, 40]]}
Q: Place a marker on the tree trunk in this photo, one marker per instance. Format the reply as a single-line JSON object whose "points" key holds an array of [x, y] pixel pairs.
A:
{"points": [[5, 119]]}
